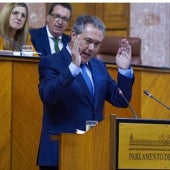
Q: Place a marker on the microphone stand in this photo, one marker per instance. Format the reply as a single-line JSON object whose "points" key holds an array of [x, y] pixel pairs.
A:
{"points": [[150, 95], [13, 43], [131, 108]]}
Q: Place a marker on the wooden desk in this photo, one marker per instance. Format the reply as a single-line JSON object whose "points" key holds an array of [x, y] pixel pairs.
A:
{"points": [[20, 113], [21, 108]]}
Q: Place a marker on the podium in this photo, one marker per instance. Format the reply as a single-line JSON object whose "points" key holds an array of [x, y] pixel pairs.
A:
{"points": [[93, 150], [118, 143]]}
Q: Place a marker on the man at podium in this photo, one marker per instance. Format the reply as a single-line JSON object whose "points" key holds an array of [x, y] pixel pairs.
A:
{"points": [[68, 98]]}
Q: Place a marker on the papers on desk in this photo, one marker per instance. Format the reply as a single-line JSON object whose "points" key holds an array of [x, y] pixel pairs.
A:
{"points": [[27, 54], [6, 52], [80, 131], [17, 53]]}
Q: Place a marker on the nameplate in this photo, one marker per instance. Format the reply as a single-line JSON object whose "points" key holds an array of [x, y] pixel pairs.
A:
{"points": [[6, 52], [143, 145]]}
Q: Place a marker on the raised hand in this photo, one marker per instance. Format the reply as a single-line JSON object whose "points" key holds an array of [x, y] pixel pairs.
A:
{"points": [[123, 57], [75, 50]]}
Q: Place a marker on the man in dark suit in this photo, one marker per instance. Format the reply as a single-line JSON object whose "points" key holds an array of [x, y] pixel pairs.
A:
{"points": [[57, 21], [67, 101]]}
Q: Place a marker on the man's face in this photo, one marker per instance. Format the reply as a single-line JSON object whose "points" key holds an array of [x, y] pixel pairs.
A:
{"points": [[90, 40], [58, 20]]}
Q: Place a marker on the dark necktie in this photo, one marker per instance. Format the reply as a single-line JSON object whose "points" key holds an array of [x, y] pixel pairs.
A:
{"points": [[87, 78], [56, 44]]}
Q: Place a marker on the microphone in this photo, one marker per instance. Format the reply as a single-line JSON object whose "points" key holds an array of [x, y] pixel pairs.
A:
{"points": [[150, 95], [131, 108], [13, 43]]}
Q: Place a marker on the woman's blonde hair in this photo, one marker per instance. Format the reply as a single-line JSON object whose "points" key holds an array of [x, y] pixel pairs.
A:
{"points": [[21, 35]]}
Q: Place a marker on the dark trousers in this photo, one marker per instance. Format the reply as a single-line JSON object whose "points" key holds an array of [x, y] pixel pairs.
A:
{"points": [[48, 168]]}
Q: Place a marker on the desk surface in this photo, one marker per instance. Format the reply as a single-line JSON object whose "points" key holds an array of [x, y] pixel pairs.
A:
{"points": [[36, 59]]}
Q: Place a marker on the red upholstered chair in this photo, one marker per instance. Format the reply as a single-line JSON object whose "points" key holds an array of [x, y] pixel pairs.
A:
{"points": [[111, 44]]}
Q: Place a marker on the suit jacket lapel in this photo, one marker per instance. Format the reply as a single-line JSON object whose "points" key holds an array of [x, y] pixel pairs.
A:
{"points": [[66, 58], [65, 40], [45, 41]]}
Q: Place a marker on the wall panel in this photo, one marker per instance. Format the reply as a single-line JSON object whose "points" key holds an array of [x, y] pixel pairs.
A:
{"points": [[5, 114]]}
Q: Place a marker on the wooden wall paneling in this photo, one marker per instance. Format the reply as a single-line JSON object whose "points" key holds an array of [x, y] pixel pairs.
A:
{"points": [[27, 114], [5, 114], [156, 80], [136, 96], [80, 9], [115, 16], [158, 85]]}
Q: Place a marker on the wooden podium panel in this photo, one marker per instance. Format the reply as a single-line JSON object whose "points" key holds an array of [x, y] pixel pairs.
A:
{"points": [[94, 150], [118, 144], [134, 144]]}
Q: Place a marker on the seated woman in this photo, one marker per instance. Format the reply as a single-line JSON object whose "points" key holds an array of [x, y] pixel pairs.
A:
{"points": [[14, 27]]}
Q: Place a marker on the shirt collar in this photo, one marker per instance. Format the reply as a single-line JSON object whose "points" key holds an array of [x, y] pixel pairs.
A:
{"points": [[68, 48], [50, 35]]}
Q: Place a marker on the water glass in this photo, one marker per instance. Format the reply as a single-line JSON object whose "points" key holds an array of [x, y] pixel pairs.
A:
{"points": [[90, 124], [27, 50]]}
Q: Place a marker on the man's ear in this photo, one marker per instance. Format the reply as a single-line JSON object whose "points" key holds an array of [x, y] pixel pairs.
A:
{"points": [[73, 35], [48, 18]]}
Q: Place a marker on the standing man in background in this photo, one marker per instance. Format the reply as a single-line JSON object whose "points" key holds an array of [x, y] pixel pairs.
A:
{"points": [[74, 86], [51, 38]]}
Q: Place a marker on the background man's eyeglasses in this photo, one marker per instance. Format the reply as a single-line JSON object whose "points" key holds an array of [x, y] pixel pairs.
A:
{"points": [[58, 16]]}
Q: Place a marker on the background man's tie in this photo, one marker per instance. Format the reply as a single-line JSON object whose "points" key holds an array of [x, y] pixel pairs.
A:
{"points": [[56, 44], [87, 78]]}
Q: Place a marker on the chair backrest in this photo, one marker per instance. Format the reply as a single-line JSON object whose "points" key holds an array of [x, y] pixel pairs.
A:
{"points": [[111, 44]]}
